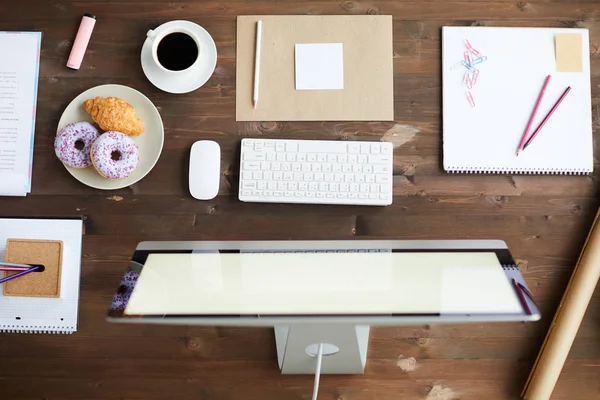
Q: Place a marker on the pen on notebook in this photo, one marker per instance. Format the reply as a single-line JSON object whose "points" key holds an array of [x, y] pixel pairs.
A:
{"points": [[532, 117], [257, 63], [539, 128], [521, 297], [19, 274]]}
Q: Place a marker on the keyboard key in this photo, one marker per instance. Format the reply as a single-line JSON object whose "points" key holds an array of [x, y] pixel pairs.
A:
{"points": [[308, 176], [364, 187], [267, 176], [347, 168], [290, 157], [280, 157], [328, 177], [353, 148], [368, 169], [354, 187], [288, 194], [348, 178], [276, 166], [342, 195], [288, 176], [375, 148], [296, 167], [369, 178], [365, 148], [251, 165], [338, 177], [298, 176], [322, 158], [265, 165], [269, 144], [318, 176], [320, 146], [279, 146], [246, 192], [374, 188], [271, 157], [258, 146], [301, 157], [313, 186], [352, 158], [379, 159], [331, 195], [373, 196], [327, 167], [310, 194], [281, 185], [251, 156], [321, 195], [286, 166], [353, 195], [381, 169], [323, 187], [386, 148], [257, 175], [256, 193], [337, 168], [360, 178], [303, 186], [331, 158], [306, 167], [382, 179], [344, 187], [311, 157], [262, 185], [291, 147], [317, 167], [271, 185], [384, 196], [247, 143], [342, 158], [293, 186], [246, 175], [277, 175], [334, 187], [299, 194], [249, 185], [363, 195], [357, 168], [277, 193]]}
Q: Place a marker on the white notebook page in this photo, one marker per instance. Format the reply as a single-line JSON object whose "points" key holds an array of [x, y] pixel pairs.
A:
{"points": [[485, 138], [19, 63]]}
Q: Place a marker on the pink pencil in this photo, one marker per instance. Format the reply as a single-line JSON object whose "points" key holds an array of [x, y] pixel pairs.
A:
{"points": [[539, 128], [14, 268], [535, 109]]}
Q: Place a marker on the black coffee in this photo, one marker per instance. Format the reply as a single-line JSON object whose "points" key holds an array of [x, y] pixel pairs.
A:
{"points": [[177, 51]]}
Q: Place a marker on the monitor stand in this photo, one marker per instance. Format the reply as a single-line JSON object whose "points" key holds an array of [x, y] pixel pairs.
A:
{"points": [[344, 348]]}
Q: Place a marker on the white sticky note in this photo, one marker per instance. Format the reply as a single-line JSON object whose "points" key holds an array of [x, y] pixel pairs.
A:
{"points": [[320, 66]]}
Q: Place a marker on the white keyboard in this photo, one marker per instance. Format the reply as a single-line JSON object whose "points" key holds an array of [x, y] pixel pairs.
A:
{"points": [[316, 172]]}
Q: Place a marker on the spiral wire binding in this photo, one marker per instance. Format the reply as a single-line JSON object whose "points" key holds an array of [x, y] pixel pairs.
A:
{"points": [[37, 329], [523, 171]]}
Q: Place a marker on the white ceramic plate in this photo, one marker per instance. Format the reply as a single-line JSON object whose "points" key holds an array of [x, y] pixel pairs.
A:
{"points": [[185, 81], [150, 142]]}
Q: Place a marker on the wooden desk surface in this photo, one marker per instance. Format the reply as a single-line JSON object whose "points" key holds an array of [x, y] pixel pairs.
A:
{"points": [[544, 219]]}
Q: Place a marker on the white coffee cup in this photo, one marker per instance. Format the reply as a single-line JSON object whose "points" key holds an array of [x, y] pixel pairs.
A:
{"points": [[158, 34]]}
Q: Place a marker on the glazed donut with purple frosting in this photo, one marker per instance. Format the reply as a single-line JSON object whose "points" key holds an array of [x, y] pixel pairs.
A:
{"points": [[114, 155], [73, 142]]}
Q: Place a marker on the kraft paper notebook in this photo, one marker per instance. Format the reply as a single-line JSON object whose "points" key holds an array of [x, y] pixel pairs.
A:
{"points": [[47, 302], [482, 136], [354, 85]]}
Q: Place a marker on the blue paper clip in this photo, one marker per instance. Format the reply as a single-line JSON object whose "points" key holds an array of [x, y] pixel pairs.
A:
{"points": [[479, 60], [468, 66]]}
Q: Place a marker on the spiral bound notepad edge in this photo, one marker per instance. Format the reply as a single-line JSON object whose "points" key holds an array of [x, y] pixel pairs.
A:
{"points": [[525, 171]]}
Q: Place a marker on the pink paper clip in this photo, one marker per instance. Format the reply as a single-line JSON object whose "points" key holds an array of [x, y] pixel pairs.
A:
{"points": [[468, 81], [474, 78], [468, 58], [472, 49], [470, 98]]}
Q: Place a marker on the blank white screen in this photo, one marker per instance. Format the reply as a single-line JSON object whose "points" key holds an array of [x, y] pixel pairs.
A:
{"points": [[322, 283]]}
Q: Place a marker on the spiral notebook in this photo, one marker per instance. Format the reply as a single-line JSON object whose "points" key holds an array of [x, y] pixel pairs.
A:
{"points": [[485, 116], [44, 314]]}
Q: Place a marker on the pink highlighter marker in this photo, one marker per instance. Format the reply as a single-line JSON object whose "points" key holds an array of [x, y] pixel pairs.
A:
{"points": [[81, 41]]}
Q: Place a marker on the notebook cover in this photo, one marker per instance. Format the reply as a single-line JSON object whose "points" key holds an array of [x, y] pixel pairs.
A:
{"points": [[368, 93], [36, 284]]}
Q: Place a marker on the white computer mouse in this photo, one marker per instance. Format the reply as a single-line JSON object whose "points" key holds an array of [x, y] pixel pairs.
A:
{"points": [[205, 169]]}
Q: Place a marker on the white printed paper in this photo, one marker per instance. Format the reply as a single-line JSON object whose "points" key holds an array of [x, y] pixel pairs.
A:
{"points": [[18, 96], [320, 66]]}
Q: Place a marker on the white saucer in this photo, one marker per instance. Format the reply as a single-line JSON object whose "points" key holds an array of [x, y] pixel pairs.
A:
{"points": [[150, 142], [188, 80]]}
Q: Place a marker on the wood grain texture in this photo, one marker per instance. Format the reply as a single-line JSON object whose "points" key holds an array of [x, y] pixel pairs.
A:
{"points": [[544, 219]]}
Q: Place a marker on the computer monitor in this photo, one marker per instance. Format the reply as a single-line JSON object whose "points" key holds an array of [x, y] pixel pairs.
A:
{"points": [[322, 294]]}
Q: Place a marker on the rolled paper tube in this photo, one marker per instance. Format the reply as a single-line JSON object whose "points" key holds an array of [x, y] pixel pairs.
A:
{"points": [[567, 319]]}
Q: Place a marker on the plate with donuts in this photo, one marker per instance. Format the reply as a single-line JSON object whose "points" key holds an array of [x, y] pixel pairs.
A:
{"points": [[109, 137]]}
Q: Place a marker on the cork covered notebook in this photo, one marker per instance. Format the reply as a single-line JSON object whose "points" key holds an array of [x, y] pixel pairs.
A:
{"points": [[39, 284], [47, 301]]}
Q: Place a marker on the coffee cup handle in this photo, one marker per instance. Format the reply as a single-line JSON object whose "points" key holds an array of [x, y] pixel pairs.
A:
{"points": [[151, 34]]}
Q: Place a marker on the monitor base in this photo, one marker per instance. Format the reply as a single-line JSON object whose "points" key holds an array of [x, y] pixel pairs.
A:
{"points": [[297, 346]]}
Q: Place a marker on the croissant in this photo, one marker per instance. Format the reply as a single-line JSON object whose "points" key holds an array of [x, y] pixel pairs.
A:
{"points": [[114, 114]]}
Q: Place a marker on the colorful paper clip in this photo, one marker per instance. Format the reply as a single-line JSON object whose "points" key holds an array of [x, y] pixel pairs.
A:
{"points": [[472, 49], [471, 99], [468, 66], [467, 57], [479, 60]]}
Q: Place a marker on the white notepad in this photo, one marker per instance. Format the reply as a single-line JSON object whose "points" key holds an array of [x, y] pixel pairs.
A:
{"points": [[38, 314], [19, 70], [484, 138]]}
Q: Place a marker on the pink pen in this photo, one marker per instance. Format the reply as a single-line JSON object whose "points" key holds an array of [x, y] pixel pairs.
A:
{"points": [[81, 41]]}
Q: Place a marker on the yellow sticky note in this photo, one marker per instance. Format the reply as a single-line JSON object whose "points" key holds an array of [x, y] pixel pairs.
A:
{"points": [[569, 57]]}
